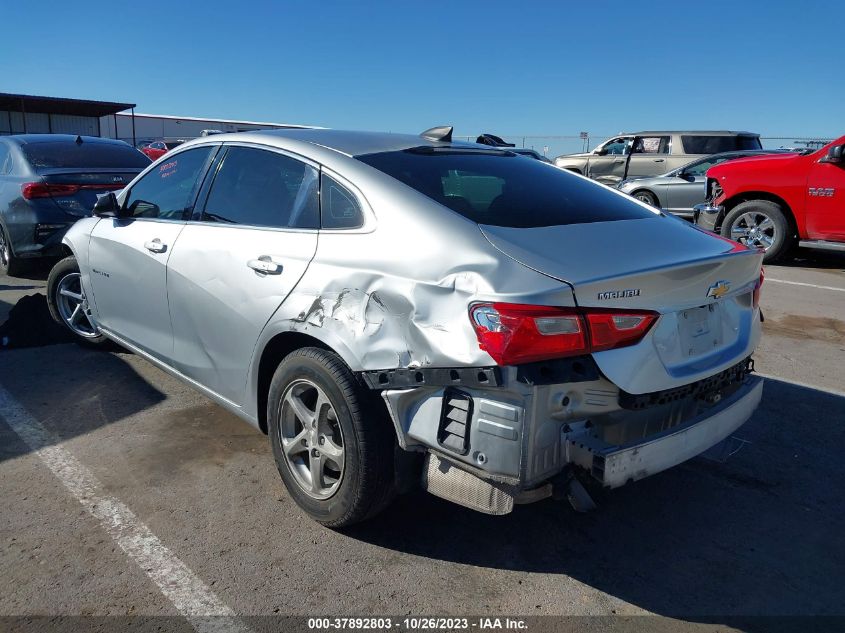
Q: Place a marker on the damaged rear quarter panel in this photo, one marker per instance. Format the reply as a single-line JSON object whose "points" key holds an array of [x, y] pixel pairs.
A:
{"points": [[397, 294]]}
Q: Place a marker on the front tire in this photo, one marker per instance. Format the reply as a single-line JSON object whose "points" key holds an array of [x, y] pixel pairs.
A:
{"points": [[68, 304], [332, 441], [646, 196], [760, 224]]}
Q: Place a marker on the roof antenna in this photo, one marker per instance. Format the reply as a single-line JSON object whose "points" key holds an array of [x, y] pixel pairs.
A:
{"points": [[440, 133], [78, 139]]}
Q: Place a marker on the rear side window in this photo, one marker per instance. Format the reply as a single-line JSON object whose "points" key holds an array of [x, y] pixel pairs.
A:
{"points": [[653, 145], [338, 207], [260, 188], [57, 155], [718, 144], [168, 191], [503, 189]]}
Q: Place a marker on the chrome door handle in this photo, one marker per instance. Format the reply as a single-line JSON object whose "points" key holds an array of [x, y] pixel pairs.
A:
{"points": [[265, 265], [618, 161], [155, 246]]}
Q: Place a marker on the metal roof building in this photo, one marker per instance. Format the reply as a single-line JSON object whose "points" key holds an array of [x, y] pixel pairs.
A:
{"points": [[30, 114], [137, 128]]}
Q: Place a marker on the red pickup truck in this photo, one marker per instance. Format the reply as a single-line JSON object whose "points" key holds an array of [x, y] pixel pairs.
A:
{"points": [[776, 202]]}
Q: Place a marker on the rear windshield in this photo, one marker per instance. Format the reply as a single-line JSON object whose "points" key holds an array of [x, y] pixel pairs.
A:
{"points": [[503, 189], [88, 154], [718, 144]]}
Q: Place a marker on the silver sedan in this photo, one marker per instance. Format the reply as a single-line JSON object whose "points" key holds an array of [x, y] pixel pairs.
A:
{"points": [[679, 190], [397, 310]]}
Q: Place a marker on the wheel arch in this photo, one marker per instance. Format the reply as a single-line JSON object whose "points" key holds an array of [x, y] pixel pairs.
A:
{"points": [[750, 196], [273, 351], [651, 192]]}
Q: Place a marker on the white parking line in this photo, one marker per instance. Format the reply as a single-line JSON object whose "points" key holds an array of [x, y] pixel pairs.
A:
{"points": [[801, 283], [191, 597]]}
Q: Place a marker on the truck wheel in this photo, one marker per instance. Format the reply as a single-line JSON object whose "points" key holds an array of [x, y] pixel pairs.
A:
{"points": [[68, 305], [646, 196], [9, 264], [332, 444], [760, 224]]}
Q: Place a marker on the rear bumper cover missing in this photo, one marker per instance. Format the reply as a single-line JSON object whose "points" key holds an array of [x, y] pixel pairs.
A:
{"points": [[614, 465]]}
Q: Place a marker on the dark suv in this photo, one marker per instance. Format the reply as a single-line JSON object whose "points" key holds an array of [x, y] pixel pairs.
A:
{"points": [[48, 182]]}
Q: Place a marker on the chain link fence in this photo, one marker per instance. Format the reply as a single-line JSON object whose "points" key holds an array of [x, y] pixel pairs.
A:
{"points": [[554, 145]]}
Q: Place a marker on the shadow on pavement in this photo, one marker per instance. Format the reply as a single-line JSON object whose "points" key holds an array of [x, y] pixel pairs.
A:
{"points": [[18, 288], [758, 535], [29, 324], [812, 258], [37, 270], [71, 391]]}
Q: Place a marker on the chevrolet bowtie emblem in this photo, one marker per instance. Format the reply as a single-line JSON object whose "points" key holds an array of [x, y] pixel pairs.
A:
{"points": [[719, 289]]}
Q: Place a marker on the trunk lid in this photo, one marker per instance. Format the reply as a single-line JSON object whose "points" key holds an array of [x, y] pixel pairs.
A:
{"points": [[700, 284]]}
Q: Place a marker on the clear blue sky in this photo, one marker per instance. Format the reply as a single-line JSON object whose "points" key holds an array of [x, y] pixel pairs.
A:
{"points": [[776, 67]]}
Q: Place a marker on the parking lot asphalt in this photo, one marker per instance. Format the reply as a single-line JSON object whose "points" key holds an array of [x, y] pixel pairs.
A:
{"points": [[759, 534]]}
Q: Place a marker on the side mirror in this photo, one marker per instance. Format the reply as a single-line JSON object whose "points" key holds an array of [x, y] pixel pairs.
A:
{"points": [[601, 152], [107, 205], [686, 176], [834, 154]]}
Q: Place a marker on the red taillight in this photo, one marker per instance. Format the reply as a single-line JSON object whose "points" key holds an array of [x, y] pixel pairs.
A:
{"points": [[610, 329], [516, 333], [757, 288], [43, 190], [33, 190]]}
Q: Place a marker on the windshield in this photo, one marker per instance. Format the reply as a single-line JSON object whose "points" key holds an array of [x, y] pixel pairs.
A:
{"points": [[700, 168], [88, 154], [502, 189]]}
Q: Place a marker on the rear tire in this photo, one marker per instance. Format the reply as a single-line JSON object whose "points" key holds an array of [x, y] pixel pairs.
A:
{"points": [[68, 304], [761, 224], [332, 440], [9, 264]]}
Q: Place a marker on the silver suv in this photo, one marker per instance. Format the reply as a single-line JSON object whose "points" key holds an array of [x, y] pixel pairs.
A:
{"points": [[393, 309], [653, 153]]}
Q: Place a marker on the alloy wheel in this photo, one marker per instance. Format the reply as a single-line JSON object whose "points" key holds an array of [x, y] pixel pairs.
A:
{"points": [[311, 439], [73, 306], [754, 229]]}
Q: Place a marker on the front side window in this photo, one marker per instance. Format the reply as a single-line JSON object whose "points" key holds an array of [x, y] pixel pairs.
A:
{"points": [[168, 191], [338, 207], [501, 188], [617, 146], [256, 187]]}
